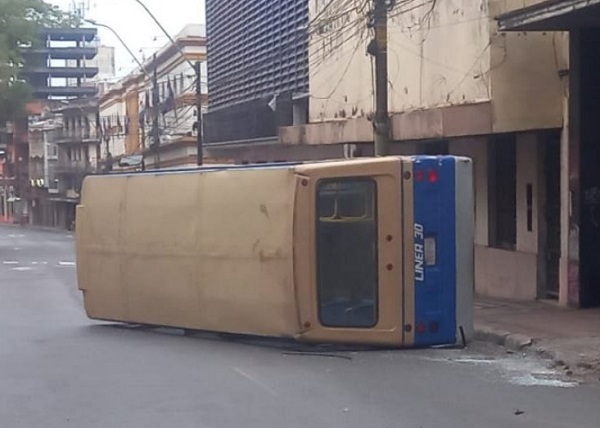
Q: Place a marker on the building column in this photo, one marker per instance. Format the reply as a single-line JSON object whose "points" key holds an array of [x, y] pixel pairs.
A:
{"points": [[569, 247]]}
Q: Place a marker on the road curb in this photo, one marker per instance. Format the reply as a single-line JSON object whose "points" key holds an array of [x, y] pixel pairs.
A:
{"points": [[587, 369], [37, 228], [514, 342]]}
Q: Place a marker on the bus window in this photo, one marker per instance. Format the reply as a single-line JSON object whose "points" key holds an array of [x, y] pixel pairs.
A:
{"points": [[327, 201], [347, 274]]}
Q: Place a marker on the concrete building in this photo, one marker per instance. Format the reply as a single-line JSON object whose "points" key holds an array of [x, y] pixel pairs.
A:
{"points": [[62, 66], [127, 110], [64, 147], [257, 72], [579, 22], [13, 170], [459, 86], [105, 61]]}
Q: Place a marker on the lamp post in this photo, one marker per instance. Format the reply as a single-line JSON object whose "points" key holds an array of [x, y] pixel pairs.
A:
{"points": [[198, 71]]}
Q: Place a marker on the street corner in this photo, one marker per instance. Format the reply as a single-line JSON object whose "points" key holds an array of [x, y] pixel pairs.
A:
{"points": [[518, 342], [576, 357], [493, 335], [511, 341]]}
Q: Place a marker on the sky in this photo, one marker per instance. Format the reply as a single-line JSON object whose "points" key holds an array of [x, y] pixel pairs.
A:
{"points": [[136, 27]]}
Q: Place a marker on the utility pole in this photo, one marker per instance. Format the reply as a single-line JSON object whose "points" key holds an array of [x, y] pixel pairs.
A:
{"points": [[195, 67], [155, 112], [378, 48], [199, 142]]}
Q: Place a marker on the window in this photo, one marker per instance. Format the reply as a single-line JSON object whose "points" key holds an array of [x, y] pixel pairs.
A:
{"points": [[52, 151], [502, 192], [347, 259]]}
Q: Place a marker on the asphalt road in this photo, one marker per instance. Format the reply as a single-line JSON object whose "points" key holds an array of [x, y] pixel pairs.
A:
{"points": [[58, 369]]}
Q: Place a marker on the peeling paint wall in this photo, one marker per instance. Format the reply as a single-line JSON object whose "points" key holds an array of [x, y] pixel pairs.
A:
{"points": [[340, 71], [499, 272], [443, 56], [439, 54], [526, 90]]}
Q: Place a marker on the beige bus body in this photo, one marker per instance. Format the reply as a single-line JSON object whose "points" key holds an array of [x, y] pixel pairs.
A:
{"points": [[234, 250]]}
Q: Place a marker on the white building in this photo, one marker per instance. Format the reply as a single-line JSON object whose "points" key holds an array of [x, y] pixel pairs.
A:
{"points": [[127, 110]]}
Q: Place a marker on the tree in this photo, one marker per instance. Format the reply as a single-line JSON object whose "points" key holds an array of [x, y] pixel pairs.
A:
{"points": [[20, 23]]}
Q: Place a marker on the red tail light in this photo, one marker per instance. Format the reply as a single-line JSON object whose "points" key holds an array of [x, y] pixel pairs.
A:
{"points": [[434, 176]]}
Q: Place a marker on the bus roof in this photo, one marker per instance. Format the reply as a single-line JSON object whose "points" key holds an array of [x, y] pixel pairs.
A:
{"points": [[262, 166]]}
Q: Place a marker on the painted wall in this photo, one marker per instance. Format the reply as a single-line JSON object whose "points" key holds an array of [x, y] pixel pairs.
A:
{"points": [[526, 88], [501, 273], [446, 56]]}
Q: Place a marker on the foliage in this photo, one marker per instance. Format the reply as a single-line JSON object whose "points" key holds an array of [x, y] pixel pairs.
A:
{"points": [[20, 23]]}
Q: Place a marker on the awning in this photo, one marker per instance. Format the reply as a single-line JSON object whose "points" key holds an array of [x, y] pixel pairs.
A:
{"points": [[129, 161], [553, 15], [64, 200]]}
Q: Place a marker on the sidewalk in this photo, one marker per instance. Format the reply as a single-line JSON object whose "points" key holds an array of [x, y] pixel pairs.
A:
{"points": [[570, 337]]}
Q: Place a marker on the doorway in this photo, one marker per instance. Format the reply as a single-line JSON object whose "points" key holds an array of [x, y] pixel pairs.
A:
{"points": [[589, 174], [552, 249]]}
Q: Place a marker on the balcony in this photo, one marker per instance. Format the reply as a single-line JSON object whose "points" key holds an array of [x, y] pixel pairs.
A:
{"points": [[43, 92], [75, 52], [76, 136], [74, 168], [69, 34], [62, 72]]}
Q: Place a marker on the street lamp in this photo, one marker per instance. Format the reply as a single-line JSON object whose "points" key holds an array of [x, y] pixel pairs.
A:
{"points": [[196, 67]]}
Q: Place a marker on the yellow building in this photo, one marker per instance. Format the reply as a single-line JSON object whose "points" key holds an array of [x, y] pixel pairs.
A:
{"points": [[127, 109]]}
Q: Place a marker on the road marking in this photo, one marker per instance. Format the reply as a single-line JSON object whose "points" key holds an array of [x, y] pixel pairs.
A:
{"points": [[11, 262], [66, 263], [256, 381], [16, 236], [22, 269]]}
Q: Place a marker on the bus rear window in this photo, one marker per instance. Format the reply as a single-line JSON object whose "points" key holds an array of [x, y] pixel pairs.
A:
{"points": [[347, 257]]}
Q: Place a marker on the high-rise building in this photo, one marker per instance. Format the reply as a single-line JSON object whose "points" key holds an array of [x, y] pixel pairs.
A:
{"points": [[63, 64], [105, 61], [257, 67]]}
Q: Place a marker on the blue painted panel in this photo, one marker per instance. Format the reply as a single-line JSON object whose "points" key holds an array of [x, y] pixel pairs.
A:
{"points": [[435, 270]]}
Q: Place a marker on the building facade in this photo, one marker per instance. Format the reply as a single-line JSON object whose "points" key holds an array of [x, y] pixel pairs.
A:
{"points": [[457, 85], [60, 67], [105, 61], [164, 90], [64, 148], [257, 69], [64, 63], [13, 170], [579, 20]]}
